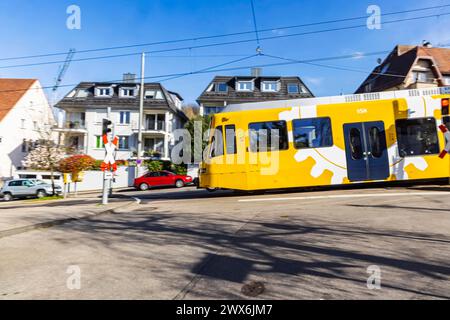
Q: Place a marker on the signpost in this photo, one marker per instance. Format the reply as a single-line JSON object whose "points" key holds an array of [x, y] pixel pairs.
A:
{"points": [[109, 165]]}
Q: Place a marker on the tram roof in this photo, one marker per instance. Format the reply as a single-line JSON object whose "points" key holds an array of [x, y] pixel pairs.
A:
{"points": [[386, 95]]}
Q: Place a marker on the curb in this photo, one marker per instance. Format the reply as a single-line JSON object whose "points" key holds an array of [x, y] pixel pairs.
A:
{"points": [[50, 224]]}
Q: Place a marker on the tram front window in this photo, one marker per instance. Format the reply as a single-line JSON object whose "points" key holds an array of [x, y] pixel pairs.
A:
{"points": [[417, 137]]}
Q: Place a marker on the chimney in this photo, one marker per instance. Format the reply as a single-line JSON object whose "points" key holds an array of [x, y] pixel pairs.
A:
{"points": [[256, 72], [129, 78], [426, 44]]}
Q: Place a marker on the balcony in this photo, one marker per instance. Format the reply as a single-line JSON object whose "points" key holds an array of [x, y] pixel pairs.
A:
{"points": [[72, 126], [155, 126], [151, 126]]}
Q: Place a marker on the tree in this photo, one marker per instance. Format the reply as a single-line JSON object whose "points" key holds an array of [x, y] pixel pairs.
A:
{"points": [[191, 110], [76, 164], [45, 156]]}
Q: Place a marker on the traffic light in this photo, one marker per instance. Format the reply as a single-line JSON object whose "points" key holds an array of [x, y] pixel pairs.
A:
{"points": [[445, 106], [106, 127]]}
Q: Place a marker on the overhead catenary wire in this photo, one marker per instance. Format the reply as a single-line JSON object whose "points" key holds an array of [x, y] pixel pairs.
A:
{"points": [[213, 70], [334, 67], [223, 35], [219, 44]]}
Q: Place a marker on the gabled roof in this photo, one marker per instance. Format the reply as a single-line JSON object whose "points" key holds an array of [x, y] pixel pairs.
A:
{"points": [[234, 96], [11, 90], [396, 67], [71, 101]]}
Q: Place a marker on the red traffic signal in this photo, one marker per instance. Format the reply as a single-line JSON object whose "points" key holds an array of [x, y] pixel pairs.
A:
{"points": [[444, 106]]}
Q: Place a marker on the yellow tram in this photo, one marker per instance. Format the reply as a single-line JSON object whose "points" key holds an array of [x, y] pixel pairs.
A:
{"points": [[360, 138]]}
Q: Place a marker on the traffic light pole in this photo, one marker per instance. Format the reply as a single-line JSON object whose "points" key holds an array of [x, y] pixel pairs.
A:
{"points": [[105, 131]]}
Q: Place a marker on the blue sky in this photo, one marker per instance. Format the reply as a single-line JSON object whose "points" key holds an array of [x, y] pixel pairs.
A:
{"points": [[39, 26]]}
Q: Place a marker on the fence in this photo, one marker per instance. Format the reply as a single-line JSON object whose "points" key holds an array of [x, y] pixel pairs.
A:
{"points": [[92, 180]]}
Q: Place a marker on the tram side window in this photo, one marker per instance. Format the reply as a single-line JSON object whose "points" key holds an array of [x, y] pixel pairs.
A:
{"points": [[312, 133], [268, 136], [230, 139], [446, 121], [217, 143], [356, 146], [417, 137]]}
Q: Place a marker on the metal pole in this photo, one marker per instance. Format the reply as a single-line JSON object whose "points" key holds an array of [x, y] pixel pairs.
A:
{"points": [[141, 116], [105, 182]]}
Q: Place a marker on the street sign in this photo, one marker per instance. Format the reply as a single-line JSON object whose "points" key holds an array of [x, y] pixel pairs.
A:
{"points": [[110, 146], [109, 175], [446, 133]]}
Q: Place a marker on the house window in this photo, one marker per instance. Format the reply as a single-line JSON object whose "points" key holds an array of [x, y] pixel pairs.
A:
{"points": [[153, 94], [103, 92], [99, 142], [269, 86], [245, 86], [221, 87], [124, 142], [268, 136], [417, 137], [447, 80], [22, 123], [293, 88], [420, 76], [124, 117], [212, 110], [128, 92], [35, 125], [82, 93], [312, 133]]}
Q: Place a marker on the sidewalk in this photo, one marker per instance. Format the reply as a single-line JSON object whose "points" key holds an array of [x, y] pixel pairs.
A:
{"points": [[19, 217]]}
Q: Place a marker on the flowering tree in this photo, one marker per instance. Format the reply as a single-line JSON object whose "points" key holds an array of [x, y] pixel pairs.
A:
{"points": [[46, 156], [76, 164]]}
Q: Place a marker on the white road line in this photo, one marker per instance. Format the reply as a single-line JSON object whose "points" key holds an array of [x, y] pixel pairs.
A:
{"points": [[349, 196]]}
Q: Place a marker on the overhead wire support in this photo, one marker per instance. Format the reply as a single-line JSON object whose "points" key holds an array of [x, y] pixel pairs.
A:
{"points": [[255, 25]]}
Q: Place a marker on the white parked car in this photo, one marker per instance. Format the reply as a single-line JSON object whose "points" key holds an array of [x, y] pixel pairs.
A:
{"points": [[23, 188]]}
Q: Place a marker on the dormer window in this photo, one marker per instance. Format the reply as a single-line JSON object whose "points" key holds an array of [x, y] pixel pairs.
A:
{"points": [[245, 86], [221, 87], [269, 86], [103, 92], [128, 92], [293, 88], [153, 94]]}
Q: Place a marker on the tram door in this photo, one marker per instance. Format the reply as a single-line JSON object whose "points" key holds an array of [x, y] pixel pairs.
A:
{"points": [[366, 151]]}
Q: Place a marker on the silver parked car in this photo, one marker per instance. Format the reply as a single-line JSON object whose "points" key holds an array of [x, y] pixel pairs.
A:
{"points": [[23, 188]]}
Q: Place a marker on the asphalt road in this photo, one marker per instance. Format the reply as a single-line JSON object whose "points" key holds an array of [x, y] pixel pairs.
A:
{"points": [[190, 244]]}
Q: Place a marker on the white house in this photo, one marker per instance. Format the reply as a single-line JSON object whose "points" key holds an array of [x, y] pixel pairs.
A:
{"points": [[25, 115], [84, 108]]}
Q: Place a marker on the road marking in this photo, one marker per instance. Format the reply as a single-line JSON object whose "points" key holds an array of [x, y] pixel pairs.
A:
{"points": [[349, 196]]}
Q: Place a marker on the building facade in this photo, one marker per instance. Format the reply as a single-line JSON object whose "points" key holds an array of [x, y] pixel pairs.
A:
{"points": [[225, 90], [25, 118], [410, 67], [83, 109]]}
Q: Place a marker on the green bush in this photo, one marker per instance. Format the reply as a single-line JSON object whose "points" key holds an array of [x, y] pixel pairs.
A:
{"points": [[154, 166], [158, 165]]}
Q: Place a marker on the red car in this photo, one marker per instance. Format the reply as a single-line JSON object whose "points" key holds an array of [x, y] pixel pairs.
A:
{"points": [[160, 179]]}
